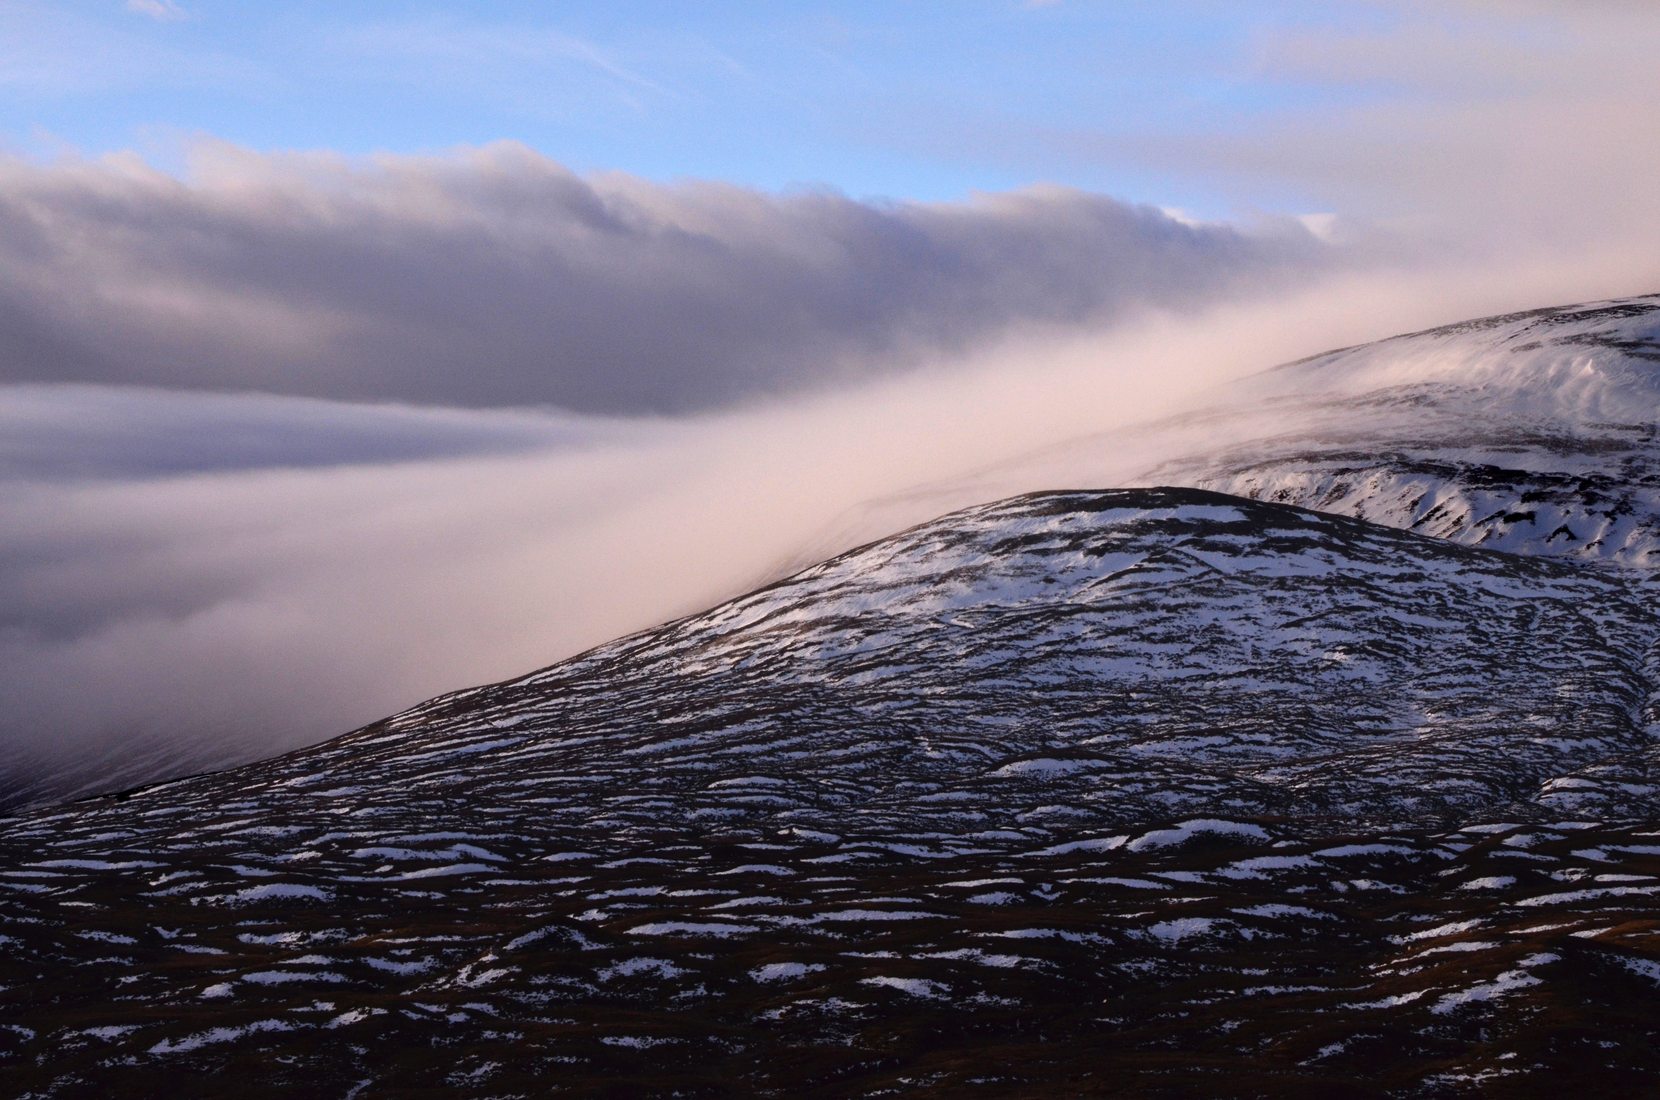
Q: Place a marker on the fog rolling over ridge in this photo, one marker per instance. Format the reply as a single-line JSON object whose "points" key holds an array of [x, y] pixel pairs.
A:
{"points": [[997, 548], [255, 602], [290, 439], [1153, 788], [198, 570], [246, 510]]}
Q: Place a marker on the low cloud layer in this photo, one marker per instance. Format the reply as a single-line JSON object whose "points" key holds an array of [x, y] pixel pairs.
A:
{"points": [[168, 608], [286, 569], [495, 277], [69, 433], [245, 508]]}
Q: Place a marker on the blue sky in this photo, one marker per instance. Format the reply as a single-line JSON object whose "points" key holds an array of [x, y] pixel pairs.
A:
{"points": [[900, 99]]}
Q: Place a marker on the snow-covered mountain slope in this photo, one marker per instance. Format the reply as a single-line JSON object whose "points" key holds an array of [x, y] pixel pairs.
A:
{"points": [[1537, 433], [1188, 652], [1154, 789]]}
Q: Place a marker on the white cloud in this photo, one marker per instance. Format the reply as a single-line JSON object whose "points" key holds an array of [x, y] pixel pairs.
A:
{"points": [[168, 11]]}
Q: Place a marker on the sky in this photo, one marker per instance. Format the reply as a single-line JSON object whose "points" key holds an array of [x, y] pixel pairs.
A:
{"points": [[895, 100], [899, 100], [352, 353]]}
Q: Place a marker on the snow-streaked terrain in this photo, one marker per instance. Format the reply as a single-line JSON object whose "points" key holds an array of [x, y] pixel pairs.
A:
{"points": [[1536, 432], [1164, 790], [1044, 756]]}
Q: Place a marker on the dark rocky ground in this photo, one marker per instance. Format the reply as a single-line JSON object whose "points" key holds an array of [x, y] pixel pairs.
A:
{"points": [[1155, 791]]}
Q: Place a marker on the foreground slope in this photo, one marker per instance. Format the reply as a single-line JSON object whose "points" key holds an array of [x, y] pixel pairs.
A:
{"points": [[1151, 788]]}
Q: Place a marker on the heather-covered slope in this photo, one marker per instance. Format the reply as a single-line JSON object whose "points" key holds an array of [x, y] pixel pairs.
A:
{"points": [[1157, 789]]}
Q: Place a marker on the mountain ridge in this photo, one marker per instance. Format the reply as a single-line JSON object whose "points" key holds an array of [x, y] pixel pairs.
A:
{"points": [[1040, 755], [1306, 432], [1155, 789]]}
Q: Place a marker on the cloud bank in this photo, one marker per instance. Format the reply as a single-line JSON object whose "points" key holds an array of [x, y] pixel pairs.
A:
{"points": [[497, 277]]}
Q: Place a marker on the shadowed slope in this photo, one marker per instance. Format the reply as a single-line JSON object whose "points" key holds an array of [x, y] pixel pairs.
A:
{"points": [[1153, 785]]}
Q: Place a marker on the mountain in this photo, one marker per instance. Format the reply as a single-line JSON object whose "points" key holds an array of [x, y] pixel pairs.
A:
{"points": [[1158, 790], [1531, 432]]}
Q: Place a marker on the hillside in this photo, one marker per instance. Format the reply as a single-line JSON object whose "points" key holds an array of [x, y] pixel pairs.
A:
{"points": [[1156, 785]]}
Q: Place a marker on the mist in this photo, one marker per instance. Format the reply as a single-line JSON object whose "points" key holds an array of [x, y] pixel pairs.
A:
{"points": [[241, 598], [289, 441]]}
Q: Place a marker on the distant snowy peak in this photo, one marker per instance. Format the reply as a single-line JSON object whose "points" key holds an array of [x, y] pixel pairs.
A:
{"points": [[1595, 363], [1534, 433]]}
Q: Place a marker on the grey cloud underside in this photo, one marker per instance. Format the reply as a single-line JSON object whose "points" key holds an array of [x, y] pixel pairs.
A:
{"points": [[57, 433], [500, 278]]}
